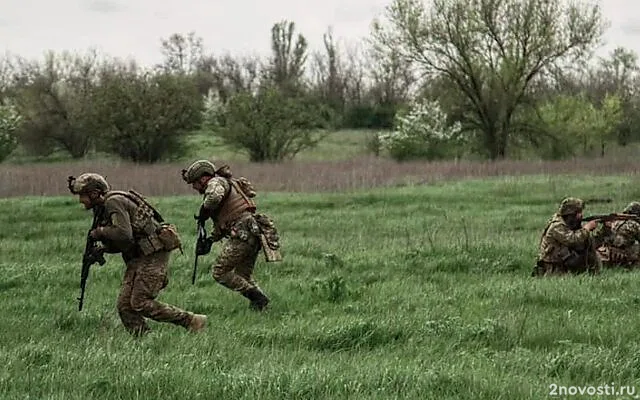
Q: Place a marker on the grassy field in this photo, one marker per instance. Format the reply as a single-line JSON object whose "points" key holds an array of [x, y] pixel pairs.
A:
{"points": [[396, 293]]}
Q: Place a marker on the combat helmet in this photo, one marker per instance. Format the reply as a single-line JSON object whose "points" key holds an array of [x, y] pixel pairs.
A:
{"points": [[570, 205], [632, 208], [87, 182], [197, 170]]}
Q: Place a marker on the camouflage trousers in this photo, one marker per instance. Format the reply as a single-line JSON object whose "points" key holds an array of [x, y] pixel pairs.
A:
{"points": [[589, 263], [144, 278], [234, 266]]}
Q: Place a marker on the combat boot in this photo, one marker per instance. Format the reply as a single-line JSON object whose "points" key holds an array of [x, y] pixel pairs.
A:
{"points": [[197, 323], [258, 300]]}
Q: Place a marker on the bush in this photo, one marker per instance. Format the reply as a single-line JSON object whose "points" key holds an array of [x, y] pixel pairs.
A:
{"points": [[9, 122], [370, 117], [421, 132], [269, 125], [148, 115]]}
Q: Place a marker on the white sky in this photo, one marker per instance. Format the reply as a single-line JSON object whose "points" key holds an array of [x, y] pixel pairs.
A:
{"points": [[134, 28]]}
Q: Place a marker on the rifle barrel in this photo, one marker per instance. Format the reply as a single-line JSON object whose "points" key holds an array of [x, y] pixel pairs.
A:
{"points": [[611, 217], [195, 268]]}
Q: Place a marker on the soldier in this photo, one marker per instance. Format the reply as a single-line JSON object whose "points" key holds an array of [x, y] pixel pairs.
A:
{"points": [[228, 202], [566, 246], [623, 249], [128, 224]]}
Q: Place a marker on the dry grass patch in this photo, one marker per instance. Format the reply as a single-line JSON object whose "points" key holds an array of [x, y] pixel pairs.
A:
{"points": [[312, 176]]}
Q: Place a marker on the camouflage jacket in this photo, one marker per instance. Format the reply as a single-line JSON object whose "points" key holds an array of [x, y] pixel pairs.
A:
{"points": [[126, 227], [559, 239], [625, 233], [214, 193], [624, 244]]}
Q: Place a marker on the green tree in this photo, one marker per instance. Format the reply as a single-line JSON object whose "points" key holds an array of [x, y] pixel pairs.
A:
{"points": [[492, 50], [618, 75], [148, 114], [271, 125], [9, 123], [578, 125]]}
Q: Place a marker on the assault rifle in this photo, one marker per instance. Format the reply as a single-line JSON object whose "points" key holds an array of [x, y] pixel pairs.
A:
{"points": [[91, 256], [611, 217], [203, 244]]}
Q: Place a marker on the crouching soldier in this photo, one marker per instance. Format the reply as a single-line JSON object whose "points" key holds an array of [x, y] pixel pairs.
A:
{"points": [[228, 202], [126, 223], [623, 248], [568, 247]]}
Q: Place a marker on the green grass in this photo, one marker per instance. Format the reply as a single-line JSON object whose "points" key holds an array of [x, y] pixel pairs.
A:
{"points": [[414, 292], [338, 145]]}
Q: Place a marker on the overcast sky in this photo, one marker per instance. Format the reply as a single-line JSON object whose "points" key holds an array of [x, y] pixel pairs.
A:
{"points": [[133, 28]]}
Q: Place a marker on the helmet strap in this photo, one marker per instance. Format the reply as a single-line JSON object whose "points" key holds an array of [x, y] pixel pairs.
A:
{"points": [[96, 197]]}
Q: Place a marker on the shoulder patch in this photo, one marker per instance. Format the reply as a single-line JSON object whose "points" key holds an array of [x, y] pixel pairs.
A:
{"points": [[217, 186]]}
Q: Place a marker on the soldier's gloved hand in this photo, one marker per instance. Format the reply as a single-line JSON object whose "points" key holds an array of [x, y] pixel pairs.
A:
{"points": [[591, 225], [97, 254], [203, 246]]}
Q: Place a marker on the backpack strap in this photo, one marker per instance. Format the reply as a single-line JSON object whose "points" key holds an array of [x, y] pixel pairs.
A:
{"points": [[143, 200], [138, 199], [233, 182]]}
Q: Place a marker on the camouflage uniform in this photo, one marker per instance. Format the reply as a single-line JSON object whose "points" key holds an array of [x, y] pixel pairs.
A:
{"points": [[623, 249], [227, 201], [565, 248], [127, 224]]}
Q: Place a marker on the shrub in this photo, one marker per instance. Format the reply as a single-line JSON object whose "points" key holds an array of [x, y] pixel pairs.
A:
{"points": [[10, 120], [421, 132]]}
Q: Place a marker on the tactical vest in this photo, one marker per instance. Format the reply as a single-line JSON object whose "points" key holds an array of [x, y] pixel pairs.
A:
{"points": [[237, 201], [150, 232]]}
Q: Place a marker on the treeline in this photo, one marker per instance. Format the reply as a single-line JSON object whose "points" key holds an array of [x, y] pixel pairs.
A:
{"points": [[479, 78]]}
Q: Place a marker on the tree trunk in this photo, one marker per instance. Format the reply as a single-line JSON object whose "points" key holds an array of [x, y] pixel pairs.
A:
{"points": [[493, 144]]}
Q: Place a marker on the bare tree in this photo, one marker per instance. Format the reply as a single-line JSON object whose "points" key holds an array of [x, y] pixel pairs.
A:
{"points": [[328, 71], [354, 74], [392, 79], [228, 75], [182, 53], [287, 63], [55, 98]]}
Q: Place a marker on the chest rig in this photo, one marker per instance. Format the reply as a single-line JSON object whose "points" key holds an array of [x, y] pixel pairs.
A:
{"points": [[150, 232]]}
